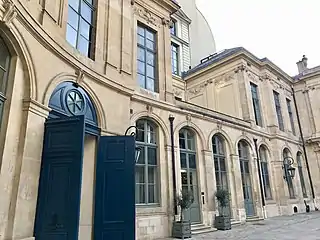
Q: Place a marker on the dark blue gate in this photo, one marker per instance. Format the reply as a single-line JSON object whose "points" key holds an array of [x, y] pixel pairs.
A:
{"points": [[115, 189], [57, 216]]}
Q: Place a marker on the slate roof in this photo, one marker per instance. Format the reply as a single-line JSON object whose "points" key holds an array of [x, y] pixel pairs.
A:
{"points": [[307, 72], [216, 57]]}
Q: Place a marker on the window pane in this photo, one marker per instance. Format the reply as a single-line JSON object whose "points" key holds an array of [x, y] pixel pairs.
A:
{"points": [[141, 67], [151, 137], [222, 164], [85, 29], [142, 80], [2, 81], [86, 12], [141, 55], [140, 40], [152, 156], [152, 175], [141, 159], [140, 31], [140, 174], [83, 46], [150, 45], [150, 36], [74, 4], [150, 58], [73, 18], [152, 194], [150, 71], [192, 161], [183, 160], [1, 110], [4, 55], [150, 84], [71, 36], [140, 193]]}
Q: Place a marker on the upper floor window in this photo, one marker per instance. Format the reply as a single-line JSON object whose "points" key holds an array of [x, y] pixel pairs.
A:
{"points": [[256, 104], [147, 190], [278, 110], [4, 69], [300, 170], [146, 58], [291, 117], [80, 25], [175, 58], [173, 29]]}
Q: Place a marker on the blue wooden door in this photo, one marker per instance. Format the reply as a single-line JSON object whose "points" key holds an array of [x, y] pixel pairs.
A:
{"points": [[115, 189], [57, 216]]}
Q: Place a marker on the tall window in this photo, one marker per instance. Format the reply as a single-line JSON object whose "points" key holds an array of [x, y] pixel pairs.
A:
{"points": [[147, 52], [147, 186], [278, 110], [4, 69], [286, 154], [265, 172], [291, 116], [173, 29], [219, 156], [80, 25], [175, 58], [256, 104], [300, 169]]}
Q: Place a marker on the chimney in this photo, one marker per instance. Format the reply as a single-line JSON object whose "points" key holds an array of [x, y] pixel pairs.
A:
{"points": [[302, 64]]}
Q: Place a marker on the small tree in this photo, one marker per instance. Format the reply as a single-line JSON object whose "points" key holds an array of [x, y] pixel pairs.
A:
{"points": [[222, 196], [184, 201]]}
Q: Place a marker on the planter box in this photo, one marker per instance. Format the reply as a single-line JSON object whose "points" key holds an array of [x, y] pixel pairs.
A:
{"points": [[222, 222], [181, 230]]}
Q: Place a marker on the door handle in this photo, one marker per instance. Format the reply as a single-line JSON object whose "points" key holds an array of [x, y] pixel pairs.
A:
{"points": [[202, 195]]}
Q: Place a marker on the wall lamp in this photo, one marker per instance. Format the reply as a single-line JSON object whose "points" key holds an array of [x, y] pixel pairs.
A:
{"points": [[134, 133]]}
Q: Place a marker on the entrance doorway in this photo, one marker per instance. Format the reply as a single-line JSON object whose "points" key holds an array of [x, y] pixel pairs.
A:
{"points": [[243, 149], [71, 189], [189, 178]]}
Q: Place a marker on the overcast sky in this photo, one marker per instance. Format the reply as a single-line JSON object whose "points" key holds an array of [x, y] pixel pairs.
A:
{"points": [[281, 30]]}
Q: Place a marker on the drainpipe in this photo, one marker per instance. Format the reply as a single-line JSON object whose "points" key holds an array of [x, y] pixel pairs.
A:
{"points": [[260, 178], [171, 119], [304, 148]]}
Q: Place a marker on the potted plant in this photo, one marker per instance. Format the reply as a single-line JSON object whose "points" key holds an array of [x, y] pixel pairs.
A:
{"points": [[182, 229], [223, 221]]}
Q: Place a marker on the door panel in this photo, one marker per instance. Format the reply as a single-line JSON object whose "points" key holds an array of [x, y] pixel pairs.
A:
{"points": [[57, 215], [115, 189], [246, 187]]}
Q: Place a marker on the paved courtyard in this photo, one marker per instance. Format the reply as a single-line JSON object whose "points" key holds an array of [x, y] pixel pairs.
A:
{"points": [[304, 226]]}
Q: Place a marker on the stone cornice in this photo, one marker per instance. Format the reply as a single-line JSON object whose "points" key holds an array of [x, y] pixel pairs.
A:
{"points": [[36, 108]]}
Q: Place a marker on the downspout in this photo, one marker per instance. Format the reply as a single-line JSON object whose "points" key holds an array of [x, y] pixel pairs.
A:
{"points": [[171, 119], [260, 178], [304, 147]]}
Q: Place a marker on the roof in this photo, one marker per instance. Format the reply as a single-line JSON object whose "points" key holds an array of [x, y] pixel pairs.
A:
{"points": [[218, 56], [307, 72]]}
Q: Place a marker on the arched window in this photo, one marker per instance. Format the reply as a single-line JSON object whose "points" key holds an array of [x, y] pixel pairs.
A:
{"points": [[286, 153], [300, 170], [219, 157], [147, 186], [4, 70], [244, 157], [265, 172], [189, 179]]}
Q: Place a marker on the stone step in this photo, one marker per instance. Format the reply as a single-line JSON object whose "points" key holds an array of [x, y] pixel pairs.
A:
{"points": [[235, 222], [201, 228], [254, 219]]}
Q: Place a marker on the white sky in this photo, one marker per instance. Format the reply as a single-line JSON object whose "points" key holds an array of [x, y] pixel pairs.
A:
{"points": [[281, 30]]}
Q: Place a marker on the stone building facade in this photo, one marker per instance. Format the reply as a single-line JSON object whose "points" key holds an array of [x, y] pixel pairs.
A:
{"points": [[112, 61]]}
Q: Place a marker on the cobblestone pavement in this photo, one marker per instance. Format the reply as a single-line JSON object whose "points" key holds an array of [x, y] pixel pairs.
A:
{"points": [[304, 226]]}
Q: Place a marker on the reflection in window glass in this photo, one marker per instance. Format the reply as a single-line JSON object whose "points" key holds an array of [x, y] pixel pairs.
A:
{"points": [[265, 172]]}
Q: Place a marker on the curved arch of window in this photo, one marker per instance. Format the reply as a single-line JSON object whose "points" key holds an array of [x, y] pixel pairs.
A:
{"points": [[5, 58], [286, 153], [147, 182], [300, 170], [265, 172]]}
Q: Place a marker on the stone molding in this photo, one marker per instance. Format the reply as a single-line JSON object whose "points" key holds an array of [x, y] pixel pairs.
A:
{"points": [[36, 108], [10, 12]]}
